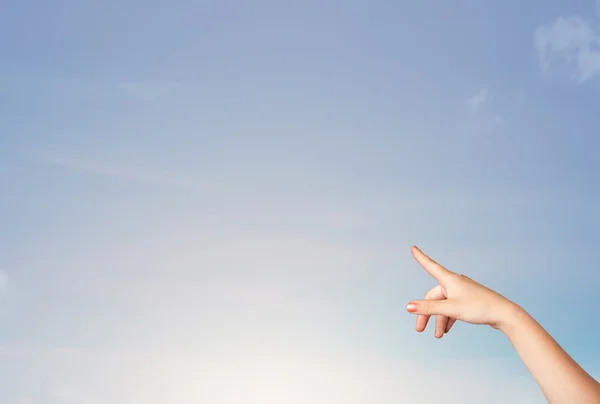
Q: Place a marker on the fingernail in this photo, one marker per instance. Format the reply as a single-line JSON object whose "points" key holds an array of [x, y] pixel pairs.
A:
{"points": [[411, 307]]}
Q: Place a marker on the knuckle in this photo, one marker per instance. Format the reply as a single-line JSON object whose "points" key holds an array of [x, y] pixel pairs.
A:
{"points": [[428, 306]]}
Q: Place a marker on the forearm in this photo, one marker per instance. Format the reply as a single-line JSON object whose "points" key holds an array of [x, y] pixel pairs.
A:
{"points": [[561, 379]]}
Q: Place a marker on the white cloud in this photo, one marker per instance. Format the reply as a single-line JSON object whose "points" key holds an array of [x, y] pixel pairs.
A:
{"points": [[569, 46], [476, 101], [482, 119]]}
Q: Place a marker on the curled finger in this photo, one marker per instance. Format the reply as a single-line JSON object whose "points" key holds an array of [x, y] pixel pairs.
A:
{"points": [[437, 293]]}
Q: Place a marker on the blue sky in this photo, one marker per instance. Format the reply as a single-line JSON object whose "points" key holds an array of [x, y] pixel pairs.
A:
{"points": [[214, 201]]}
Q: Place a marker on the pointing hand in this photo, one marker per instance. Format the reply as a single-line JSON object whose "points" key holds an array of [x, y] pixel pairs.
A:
{"points": [[456, 297]]}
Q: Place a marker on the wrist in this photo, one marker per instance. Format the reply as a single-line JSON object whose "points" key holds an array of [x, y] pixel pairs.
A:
{"points": [[512, 315]]}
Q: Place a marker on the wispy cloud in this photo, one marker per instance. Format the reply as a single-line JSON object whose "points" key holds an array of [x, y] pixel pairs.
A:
{"points": [[476, 101], [569, 46], [125, 172], [475, 105]]}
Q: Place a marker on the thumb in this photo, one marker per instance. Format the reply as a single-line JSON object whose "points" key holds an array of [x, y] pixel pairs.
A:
{"points": [[432, 307]]}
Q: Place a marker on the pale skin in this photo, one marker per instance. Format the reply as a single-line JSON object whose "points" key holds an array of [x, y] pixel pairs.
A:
{"points": [[457, 297]]}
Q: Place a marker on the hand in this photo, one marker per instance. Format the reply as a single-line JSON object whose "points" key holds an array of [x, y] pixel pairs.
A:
{"points": [[456, 297]]}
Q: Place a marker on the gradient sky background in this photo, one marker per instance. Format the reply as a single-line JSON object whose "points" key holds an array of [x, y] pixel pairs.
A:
{"points": [[214, 201]]}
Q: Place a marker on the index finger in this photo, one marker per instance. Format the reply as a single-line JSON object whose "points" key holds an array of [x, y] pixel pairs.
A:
{"points": [[434, 269]]}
